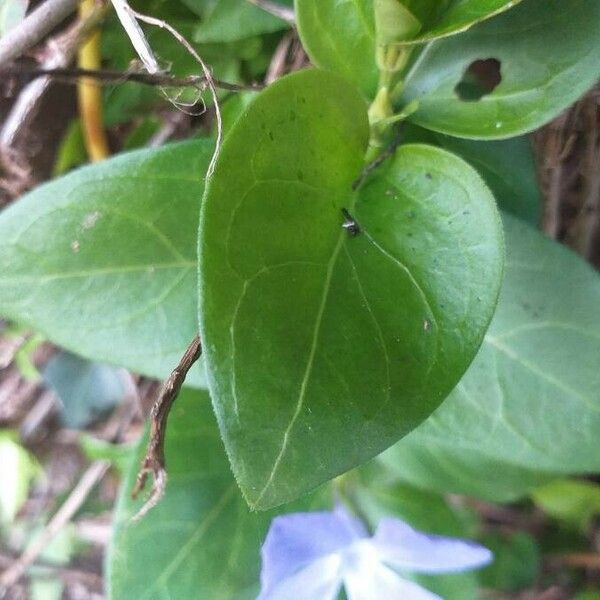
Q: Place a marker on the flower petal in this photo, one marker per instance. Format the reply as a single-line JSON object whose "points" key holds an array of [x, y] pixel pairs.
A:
{"points": [[403, 547], [296, 540], [377, 582], [320, 580]]}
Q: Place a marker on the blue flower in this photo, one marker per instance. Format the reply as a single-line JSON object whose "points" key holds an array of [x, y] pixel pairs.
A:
{"points": [[310, 556]]}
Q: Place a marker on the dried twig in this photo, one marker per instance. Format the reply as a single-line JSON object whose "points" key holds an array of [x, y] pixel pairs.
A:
{"points": [[278, 10], [61, 51], [587, 224], [76, 498], [129, 19], [154, 461], [108, 76], [34, 27], [65, 574], [277, 67], [575, 560]]}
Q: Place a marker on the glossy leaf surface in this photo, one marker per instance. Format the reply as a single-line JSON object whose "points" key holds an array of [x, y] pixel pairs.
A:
{"points": [[324, 347], [529, 406], [536, 83], [201, 541], [103, 261], [507, 166], [440, 18], [340, 37]]}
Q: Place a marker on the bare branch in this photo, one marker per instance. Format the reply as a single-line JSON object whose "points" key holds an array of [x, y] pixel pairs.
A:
{"points": [[107, 76], [61, 51], [77, 497], [129, 18], [34, 27], [154, 461], [207, 74]]}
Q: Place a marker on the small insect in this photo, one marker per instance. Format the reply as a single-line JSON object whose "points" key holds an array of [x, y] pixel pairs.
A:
{"points": [[349, 224]]}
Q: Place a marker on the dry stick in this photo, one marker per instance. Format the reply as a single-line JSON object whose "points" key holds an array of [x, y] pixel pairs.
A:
{"points": [[65, 574], [76, 498], [61, 51], [154, 461], [34, 27], [129, 20], [283, 12], [590, 212], [578, 561], [277, 66], [108, 76]]}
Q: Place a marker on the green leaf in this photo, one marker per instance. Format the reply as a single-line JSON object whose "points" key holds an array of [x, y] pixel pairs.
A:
{"points": [[85, 389], [103, 260], [18, 470], [528, 407], [394, 22], [507, 166], [119, 455], [516, 561], [547, 50], [441, 18], [571, 501], [232, 20], [12, 13], [324, 348], [201, 541], [340, 37]]}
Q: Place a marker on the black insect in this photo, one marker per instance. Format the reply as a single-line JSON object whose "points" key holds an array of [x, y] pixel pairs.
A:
{"points": [[349, 224]]}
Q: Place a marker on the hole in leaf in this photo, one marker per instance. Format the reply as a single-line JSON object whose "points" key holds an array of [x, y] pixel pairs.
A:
{"points": [[481, 78]]}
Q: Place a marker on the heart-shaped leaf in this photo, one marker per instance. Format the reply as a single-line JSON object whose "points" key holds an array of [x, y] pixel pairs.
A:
{"points": [[327, 339], [201, 541], [103, 261], [510, 74], [529, 405]]}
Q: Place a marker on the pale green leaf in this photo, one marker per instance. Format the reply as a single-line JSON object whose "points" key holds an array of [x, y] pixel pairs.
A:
{"points": [[17, 470], [103, 260], [232, 20], [529, 406], [574, 502], [324, 348], [340, 37], [85, 389]]}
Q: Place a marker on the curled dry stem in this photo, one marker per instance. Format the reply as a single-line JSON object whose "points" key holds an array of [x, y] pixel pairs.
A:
{"points": [[129, 19], [154, 460]]}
